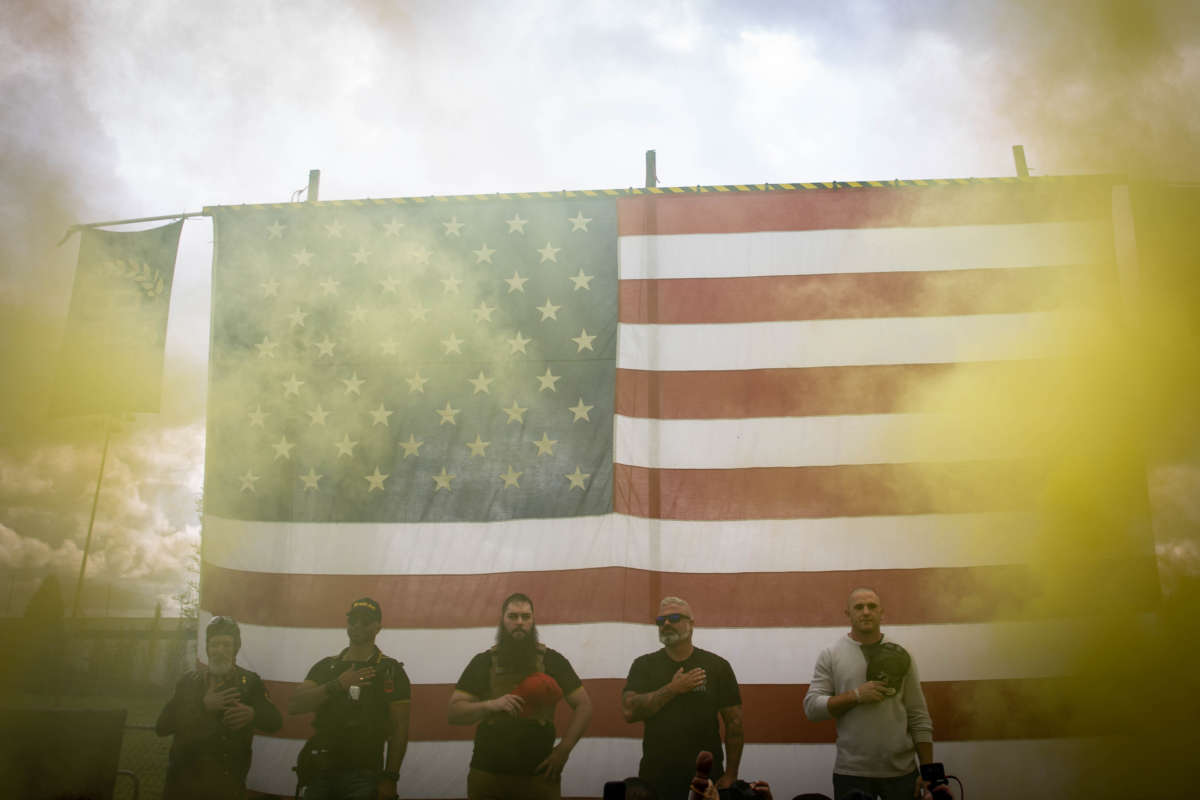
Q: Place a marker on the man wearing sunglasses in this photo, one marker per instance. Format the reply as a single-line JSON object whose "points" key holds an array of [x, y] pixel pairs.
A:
{"points": [[361, 698], [678, 692], [213, 715], [883, 726]]}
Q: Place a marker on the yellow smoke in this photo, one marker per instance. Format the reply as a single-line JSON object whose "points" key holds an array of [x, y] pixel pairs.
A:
{"points": [[1105, 87]]}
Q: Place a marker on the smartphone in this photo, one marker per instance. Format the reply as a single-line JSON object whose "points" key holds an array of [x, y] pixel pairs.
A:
{"points": [[934, 773]]}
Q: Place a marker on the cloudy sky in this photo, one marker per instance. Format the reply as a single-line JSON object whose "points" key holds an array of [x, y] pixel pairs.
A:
{"points": [[117, 109]]}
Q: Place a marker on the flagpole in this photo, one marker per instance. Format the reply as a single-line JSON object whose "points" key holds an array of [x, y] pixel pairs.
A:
{"points": [[87, 544], [84, 225]]}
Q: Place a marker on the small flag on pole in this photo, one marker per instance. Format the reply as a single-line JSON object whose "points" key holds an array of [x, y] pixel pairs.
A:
{"points": [[112, 354]]}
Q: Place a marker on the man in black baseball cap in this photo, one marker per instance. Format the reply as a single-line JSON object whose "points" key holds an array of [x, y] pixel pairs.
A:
{"points": [[361, 699], [213, 715]]}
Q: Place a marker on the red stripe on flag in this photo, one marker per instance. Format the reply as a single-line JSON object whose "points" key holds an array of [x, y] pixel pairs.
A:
{"points": [[854, 296], [801, 392], [1030, 708], [867, 207], [809, 492], [622, 594]]}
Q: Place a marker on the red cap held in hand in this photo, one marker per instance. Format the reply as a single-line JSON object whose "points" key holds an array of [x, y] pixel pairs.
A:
{"points": [[539, 691]]}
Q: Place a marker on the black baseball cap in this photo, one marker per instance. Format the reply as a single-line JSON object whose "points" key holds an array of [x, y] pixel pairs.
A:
{"points": [[368, 605]]}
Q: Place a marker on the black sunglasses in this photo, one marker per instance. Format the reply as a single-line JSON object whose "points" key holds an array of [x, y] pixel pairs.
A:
{"points": [[662, 619]]}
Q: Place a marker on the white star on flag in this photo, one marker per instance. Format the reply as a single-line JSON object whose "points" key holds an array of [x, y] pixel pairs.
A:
{"points": [[549, 311], [380, 416], [283, 448], [547, 381], [582, 281], [258, 416], [375, 480], [584, 341], [577, 478], [311, 479], [516, 224], [511, 477], [443, 481], [516, 283], [484, 253], [580, 410], [412, 447], [325, 347], [248, 481], [484, 312]]}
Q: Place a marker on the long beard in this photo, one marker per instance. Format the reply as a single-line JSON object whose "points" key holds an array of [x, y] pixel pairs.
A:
{"points": [[517, 655]]}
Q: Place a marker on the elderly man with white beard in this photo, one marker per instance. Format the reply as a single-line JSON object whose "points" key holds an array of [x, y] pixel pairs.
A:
{"points": [[213, 715], [678, 692]]}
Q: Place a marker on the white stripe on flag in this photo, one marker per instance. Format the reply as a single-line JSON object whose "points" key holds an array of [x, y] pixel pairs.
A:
{"points": [[535, 545], [801, 441], [840, 342], [945, 652], [857, 250]]}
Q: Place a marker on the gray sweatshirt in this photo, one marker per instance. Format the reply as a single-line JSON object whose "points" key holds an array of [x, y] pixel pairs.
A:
{"points": [[875, 740]]}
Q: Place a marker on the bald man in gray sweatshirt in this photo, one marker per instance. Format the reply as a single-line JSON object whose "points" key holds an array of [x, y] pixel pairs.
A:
{"points": [[883, 730]]}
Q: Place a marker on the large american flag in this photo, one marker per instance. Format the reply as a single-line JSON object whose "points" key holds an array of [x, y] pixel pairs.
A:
{"points": [[601, 398]]}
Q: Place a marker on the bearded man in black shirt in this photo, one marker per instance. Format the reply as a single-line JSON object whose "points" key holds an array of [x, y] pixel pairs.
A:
{"points": [[678, 692], [511, 690]]}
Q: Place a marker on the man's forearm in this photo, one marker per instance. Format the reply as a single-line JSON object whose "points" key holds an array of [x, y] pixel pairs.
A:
{"points": [[466, 712], [637, 707], [925, 752], [734, 744], [581, 715], [396, 748], [735, 739], [839, 704]]}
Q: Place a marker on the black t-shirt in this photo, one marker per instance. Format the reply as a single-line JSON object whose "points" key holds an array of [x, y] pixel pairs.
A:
{"points": [[357, 729], [505, 744], [688, 723]]}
